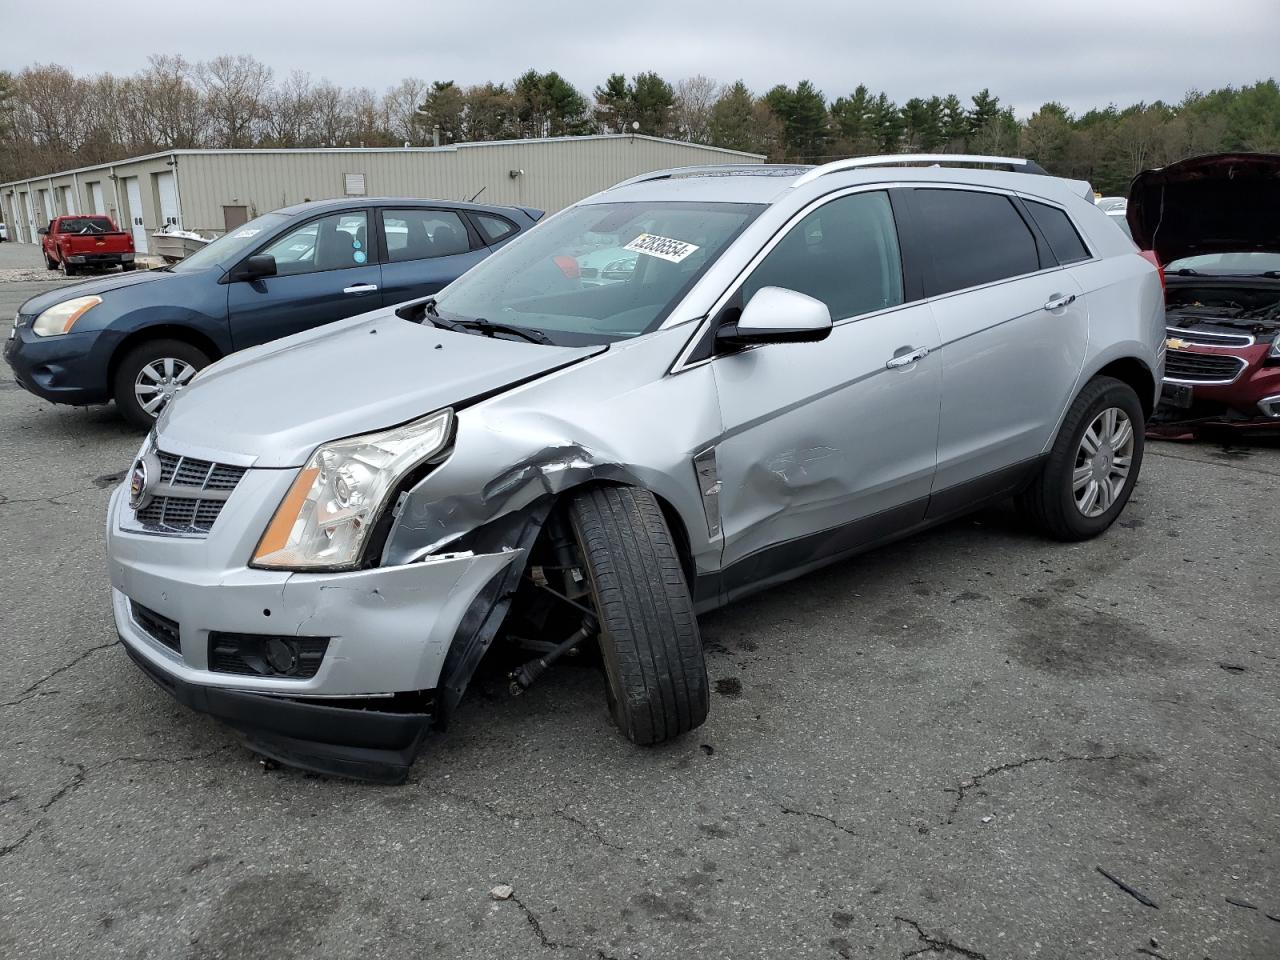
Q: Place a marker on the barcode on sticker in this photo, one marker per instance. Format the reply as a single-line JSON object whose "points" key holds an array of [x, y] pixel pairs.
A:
{"points": [[664, 248]]}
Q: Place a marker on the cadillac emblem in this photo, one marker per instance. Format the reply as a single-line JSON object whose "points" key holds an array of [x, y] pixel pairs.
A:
{"points": [[138, 485]]}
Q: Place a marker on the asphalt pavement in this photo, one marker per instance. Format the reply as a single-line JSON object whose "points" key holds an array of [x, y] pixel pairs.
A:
{"points": [[973, 743]]}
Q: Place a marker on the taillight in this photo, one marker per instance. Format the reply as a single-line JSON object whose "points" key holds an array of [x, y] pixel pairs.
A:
{"points": [[1150, 255], [568, 266]]}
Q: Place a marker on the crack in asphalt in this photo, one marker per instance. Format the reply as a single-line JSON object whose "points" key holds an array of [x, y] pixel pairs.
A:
{"points": [[82, 775], [561, 814], [934, 944], [536, 925], [600, 838], [965, 786], [796, 812], [10, 847], [24, 695], [1211, 463]]}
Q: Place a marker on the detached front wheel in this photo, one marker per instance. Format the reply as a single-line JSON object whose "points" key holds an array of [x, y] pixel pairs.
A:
{"points": [[656, 676]]}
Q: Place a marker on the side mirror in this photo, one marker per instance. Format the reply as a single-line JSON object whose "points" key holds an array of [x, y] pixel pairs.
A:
{"points": [[42, 231], [778, 315], [255, 268]]}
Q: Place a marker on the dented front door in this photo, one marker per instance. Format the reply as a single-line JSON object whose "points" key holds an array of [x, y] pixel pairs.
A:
{"points": [[823, 440], [829, 445]]}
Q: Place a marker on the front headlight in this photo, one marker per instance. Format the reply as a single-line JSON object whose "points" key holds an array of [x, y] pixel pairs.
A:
{"points": [[61, 317], [325, 518]]}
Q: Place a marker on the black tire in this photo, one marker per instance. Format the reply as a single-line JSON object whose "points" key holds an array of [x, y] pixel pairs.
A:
{"points": [[126, 267], [1049, 502], [131, 365], [655, 673], [67, 269], [50, 264]]}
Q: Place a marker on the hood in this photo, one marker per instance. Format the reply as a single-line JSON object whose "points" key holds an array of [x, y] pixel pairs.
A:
{"points": [[1218, 203], [116, 281], [276, 403]]}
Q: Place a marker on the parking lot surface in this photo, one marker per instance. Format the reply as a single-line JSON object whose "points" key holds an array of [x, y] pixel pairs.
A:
{"points": [[973, 743]]}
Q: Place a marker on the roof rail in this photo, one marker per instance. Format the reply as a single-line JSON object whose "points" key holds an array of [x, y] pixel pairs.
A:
{"points": [[691, 171], [1016, 163]]}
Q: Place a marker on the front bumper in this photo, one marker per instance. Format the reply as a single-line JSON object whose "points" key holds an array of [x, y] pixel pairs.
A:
{"points": [[99, 259], [1246, 401], [67, 369], [389, 630]]}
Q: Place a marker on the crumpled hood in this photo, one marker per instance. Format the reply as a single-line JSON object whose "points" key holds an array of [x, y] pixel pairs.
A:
{"points": [[276, 403], [1217, 203], [116, 281]]}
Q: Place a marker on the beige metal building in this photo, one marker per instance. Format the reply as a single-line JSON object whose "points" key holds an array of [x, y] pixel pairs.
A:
{"points": [[211, 191]]}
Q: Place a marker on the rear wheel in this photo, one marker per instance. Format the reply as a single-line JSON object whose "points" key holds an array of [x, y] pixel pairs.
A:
{"points": [[655, 673], [151, 375], [1093, 465], [50, 264], [128, 266], [67, 269]]}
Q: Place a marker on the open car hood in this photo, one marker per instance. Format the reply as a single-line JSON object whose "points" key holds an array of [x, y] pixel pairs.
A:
{"points": [[1217, 203]]}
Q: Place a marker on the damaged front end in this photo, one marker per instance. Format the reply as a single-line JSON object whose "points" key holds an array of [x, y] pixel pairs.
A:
{"points": [[1222, 366]]}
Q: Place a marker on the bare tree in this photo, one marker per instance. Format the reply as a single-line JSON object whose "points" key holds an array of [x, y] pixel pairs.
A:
{"points": [[290, 112], [167, 95], [331, 125], [695, 96], [236, 88], [401, 104]]}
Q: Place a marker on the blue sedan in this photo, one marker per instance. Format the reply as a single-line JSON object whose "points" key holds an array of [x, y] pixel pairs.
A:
{"points": [[138, 338]]}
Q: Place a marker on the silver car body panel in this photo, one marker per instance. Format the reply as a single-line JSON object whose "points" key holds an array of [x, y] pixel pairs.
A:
{"points": [[746, 451]]}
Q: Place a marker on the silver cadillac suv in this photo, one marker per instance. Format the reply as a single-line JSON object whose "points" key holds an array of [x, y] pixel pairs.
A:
{"points": [[782, 366]]}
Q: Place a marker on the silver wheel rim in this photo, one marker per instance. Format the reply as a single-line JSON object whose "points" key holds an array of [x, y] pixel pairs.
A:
{"points": [[159, 381], [1103, 461]]}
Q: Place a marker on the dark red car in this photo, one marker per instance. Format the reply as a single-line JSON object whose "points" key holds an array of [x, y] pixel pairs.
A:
{"points": [[1213, 223]]}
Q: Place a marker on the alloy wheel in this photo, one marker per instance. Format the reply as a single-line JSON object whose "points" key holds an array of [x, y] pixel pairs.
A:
{"points": [[159, 381], [1103, 460]]}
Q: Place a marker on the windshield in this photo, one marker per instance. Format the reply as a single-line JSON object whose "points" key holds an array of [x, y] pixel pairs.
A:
{"points": [[598, 272], [230, 247], [1245, 262]]}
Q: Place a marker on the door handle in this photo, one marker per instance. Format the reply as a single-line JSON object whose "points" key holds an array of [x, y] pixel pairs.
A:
{"points": [[360, 288], [1058, 301], [906, 359]]}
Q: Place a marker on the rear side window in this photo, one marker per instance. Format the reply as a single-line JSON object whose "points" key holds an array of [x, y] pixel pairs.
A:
{"points": [[845, 254], [975, 238], [421, 234], [1058, 229], [493, 229]]}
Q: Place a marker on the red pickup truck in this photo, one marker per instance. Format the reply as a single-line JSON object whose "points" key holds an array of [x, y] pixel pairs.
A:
{"points": [[79, 241]]}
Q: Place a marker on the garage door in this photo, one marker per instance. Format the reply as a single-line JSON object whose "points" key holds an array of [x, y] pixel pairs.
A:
{"points": [[133, 193], [69, 204], [99, 206], [167, 187]]}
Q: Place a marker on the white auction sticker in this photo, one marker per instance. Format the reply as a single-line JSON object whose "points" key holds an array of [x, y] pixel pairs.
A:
{"points": [[662, 247], [250, 232]]}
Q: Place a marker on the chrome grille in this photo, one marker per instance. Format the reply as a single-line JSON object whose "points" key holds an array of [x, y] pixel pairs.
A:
{"points": [[1201, 367], [191, 472], [188, 496], [1211, 339]]}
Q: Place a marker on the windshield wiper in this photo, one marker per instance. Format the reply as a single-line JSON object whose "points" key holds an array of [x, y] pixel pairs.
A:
{"points": [[479, 325], [483, 326]]}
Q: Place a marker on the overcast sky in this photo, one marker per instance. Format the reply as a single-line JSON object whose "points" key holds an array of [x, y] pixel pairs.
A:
{"points": [[1083, 53]]}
